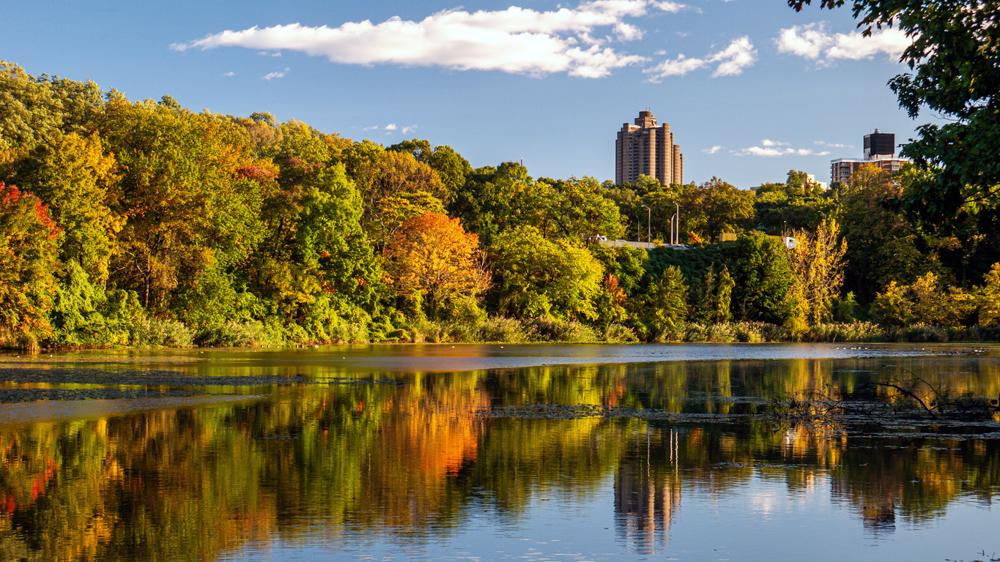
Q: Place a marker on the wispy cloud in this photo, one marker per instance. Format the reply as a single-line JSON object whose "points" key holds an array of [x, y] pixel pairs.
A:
{"points": [[575, 41], [815, 42], [276, 74], [712, 149], [229, 74], [833, 144], [769, 148], [731, 61], [392, 128]]}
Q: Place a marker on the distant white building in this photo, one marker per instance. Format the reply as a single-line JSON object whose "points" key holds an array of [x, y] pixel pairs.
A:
{"points": [[822, 184]]}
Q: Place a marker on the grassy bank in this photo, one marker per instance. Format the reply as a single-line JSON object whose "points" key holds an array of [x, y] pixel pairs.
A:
{"points": [[514, 331]]}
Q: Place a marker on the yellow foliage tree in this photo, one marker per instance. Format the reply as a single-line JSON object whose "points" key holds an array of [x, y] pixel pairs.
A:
{"points": [[818, 263], [989, 303]]}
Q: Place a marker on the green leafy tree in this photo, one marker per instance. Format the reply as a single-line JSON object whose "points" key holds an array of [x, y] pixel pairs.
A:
{"points": [[579, 209], [716, 207], [953, 71], [668, 305], [535, 277], [716, 296], [798, 204], [882, 244], [763, 277], [30, 114], [502, 198]]}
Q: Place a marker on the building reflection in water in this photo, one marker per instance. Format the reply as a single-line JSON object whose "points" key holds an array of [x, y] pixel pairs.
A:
{"points": [[648, 490]]}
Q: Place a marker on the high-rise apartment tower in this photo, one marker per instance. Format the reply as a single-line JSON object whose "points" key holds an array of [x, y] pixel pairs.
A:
{"points": [[645, 149], [879, 144], [880, 151]]}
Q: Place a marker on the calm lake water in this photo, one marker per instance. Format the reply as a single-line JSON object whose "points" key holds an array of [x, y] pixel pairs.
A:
{"points": [[482, 453]]}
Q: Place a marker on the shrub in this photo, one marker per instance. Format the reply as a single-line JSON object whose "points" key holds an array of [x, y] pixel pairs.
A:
{"points": [[750, 332], [160, 332], [618, 333], [569, 331], [241, 334], [847, 332], [504, 330]]}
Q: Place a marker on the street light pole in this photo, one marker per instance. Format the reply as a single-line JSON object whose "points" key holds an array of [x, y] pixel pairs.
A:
{"points": [[649, 227], [677, 224]]}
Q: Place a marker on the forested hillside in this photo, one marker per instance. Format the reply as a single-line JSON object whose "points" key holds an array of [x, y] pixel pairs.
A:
{"points": [[144, 223]]}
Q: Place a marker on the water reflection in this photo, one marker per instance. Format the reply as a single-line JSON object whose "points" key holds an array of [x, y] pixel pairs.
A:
{"points": [[415, 461]]}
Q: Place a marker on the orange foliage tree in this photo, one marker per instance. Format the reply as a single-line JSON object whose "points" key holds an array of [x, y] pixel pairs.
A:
{"points": [[432, 261]]}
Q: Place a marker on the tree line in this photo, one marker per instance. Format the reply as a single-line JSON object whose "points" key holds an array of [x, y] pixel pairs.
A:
{"points": [[144, 223]]}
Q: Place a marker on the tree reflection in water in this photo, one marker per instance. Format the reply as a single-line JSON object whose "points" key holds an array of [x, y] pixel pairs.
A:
{"points": [[416, 460]]}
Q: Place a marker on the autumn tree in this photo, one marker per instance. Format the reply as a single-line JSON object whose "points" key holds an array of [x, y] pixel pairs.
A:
{"points": [[432, 261], [28, 255], [78, 179], [924, 301], [449, 164], [188, 208], [818, 265], [989, 298]]}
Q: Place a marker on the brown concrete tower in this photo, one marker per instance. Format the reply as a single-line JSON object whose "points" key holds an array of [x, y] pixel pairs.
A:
{"points": [[645, 149]]}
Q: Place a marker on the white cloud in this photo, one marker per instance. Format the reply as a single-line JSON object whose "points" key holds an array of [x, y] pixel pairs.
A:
{"points": [[671, 7], [391, 127], [229, 74], [815, 42], [627, 31], [515, 40], [731, 61], [712, 149], [409, 129], [275, 75], [769, 148]]}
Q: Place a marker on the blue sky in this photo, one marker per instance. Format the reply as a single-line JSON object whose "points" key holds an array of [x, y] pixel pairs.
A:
{"points": [[750, 87]]}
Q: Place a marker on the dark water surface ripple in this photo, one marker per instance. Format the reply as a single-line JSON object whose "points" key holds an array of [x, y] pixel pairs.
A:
{"points": [[498, 453]]}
